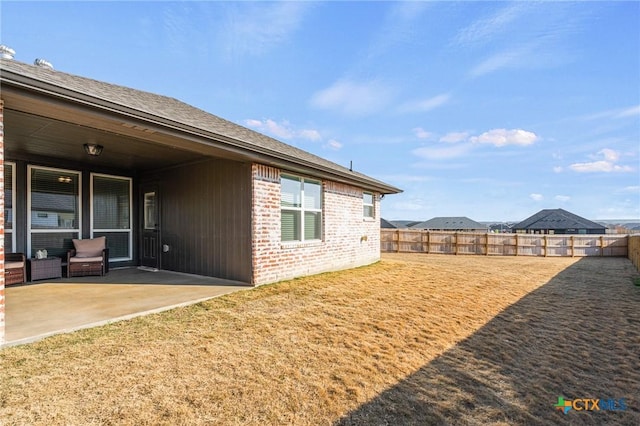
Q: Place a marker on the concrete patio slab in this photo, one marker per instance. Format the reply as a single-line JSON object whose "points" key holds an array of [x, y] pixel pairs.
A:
{"points": [[40, 309]]}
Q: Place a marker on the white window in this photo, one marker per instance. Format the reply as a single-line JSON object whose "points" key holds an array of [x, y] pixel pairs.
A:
{"points": [[367, 205], [301, 209], [111, 214], [9, 203], [54, 210]]}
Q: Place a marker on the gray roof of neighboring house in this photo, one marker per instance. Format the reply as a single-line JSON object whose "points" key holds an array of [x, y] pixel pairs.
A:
{"points": [[449, 223], [557, 219], [385, 224], [174, 113], [403, 223]]}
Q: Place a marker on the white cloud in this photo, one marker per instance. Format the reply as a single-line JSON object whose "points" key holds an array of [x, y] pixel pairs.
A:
{"points": [[255, 28], [485, 29], [609, 155], [253, 123], [536, 197], [282, 130], [562, 198], [454, 137], [353, 98], [558, 169], [398, 27], [425, 105], [421, 133], [333, 144], [599, 166], [279, 130], [619, 113], [503, 137], [605, 162], [629, 112], [431, 153], [511, 58], [629, 190], [310, 134]]}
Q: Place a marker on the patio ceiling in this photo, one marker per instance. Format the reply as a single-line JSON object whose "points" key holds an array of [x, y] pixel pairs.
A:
{"points": [[39, 128]]}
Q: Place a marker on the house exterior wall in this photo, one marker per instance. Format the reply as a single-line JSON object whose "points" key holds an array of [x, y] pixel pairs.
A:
{"points": [[349, 240], [205, 217], [2, 298]]}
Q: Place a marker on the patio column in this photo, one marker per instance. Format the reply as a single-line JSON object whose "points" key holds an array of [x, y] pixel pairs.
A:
{"points": [[2, 298]]}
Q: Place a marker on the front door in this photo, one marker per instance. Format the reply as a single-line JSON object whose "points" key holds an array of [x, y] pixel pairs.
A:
{"points": [[150, 233]]}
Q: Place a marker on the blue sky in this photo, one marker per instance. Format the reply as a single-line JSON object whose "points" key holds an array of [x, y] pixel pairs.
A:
{"points": [[491, 110]]}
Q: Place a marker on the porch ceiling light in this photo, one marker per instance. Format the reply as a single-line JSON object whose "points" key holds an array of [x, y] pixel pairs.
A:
{"points": [[93, 149]]}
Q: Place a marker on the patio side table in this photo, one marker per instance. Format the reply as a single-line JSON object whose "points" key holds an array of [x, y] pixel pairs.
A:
{"points": [[42, 269]]}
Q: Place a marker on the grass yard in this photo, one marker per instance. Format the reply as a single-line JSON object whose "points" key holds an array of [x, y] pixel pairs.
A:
{"points": [[414, 339]]}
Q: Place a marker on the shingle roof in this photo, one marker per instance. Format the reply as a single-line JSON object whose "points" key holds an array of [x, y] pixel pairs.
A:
{"points": [[449, 223], [556, 219], [147, 105], [403, 223], [385, 224]]}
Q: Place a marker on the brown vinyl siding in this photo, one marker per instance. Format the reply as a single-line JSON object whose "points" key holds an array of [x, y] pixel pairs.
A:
{"points": [[206, 219]]}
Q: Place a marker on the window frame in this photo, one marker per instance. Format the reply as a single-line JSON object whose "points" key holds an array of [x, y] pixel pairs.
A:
{"points": [[11, 231], [93, 230], [77, 230], [365, 205], [303, 209]]}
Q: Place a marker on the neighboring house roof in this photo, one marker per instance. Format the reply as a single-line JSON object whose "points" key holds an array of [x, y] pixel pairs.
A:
{"points": [[385, 224], [174, 114], [556, 219], [449, 223], [403, 223]]}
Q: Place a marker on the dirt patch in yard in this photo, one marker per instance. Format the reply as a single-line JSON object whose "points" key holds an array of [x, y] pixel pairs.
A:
{"points": [[415, 339]]}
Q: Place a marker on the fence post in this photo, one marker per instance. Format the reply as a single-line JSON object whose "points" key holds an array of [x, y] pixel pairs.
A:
{"points": [[398, 246], [572, 247], [602, 245], [516, 244], [428, 241], [544, 242], [486, 244], [455, 242]]}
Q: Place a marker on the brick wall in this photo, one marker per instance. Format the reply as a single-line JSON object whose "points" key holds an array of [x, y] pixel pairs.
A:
{"points": [[2, 298], [348, 240]]}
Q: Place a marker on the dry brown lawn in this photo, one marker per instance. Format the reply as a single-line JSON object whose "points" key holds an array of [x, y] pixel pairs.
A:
{"points": [[414, 339]]}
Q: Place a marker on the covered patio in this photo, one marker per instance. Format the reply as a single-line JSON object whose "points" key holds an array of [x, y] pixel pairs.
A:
{"points": [[40, 309]]}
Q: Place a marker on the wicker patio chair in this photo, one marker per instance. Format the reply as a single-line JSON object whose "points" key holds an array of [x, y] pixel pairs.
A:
{"points": [[15, 268], [89, 257]]}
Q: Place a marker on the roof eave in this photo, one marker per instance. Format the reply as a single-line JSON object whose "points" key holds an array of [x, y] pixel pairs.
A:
{"points": [[258, 153]]}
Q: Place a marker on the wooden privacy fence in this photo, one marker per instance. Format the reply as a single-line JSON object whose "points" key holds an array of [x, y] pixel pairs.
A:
{"points": [[418, 241], [634, 250]]}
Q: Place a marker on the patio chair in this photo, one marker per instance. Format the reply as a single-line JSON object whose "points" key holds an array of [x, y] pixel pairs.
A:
{"points": [[15, 268], [89, 257]]}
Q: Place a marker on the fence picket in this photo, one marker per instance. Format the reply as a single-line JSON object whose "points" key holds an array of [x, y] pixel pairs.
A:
{"points": [[547, 245]]}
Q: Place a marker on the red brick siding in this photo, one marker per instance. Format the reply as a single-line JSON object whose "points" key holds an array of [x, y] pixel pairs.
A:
{"points": [[348, 240]]}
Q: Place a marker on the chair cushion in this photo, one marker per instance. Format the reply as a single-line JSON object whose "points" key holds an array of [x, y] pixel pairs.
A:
{"points": [[13, 265], [79, 259], [89, 248]]}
